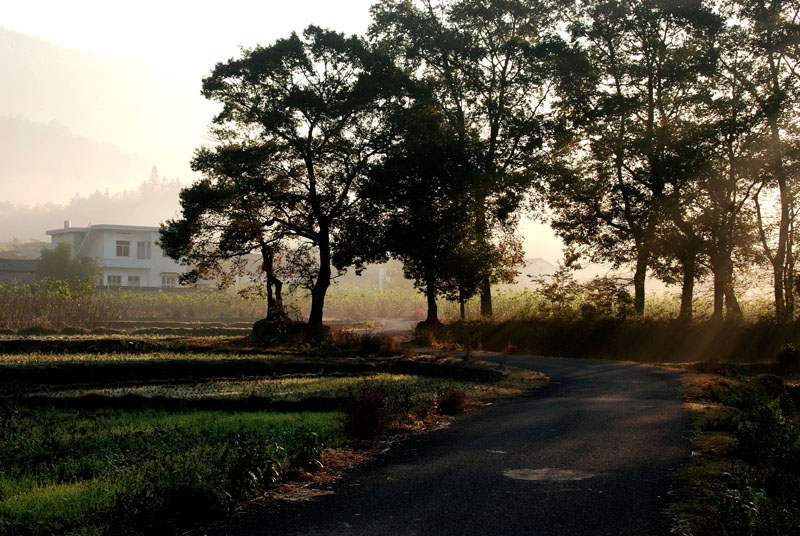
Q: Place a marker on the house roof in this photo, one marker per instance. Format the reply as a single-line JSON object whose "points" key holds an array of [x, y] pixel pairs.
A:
{"points": [[101, 227]]}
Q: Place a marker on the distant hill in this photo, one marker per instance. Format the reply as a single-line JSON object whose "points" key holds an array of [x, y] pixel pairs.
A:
{"points": [[72, 121], [56, 163], [151, 203]]}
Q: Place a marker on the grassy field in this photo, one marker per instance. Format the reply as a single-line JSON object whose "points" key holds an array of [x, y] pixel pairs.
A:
{"points": [[127, 472], [283, 388], [151, 442], [52, 305]]}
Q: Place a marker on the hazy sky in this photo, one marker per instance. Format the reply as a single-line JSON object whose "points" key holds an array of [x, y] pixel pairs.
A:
{"points": [[183, 36], [173, 44]]}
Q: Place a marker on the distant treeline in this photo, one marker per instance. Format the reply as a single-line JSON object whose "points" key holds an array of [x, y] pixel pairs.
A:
{"points": [[153, 201]]}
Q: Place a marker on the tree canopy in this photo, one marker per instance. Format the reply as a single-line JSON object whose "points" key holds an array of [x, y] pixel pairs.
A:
{"points": [[60, 263], [657, 136]]}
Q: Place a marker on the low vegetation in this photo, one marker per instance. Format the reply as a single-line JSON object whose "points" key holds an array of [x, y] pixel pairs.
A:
{"points": [[115, 471], [148, 442], [744, 473], [645, 340], [52, 306]]}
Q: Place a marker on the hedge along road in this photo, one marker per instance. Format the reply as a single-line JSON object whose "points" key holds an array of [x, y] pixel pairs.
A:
{"points": [[590, 454]]}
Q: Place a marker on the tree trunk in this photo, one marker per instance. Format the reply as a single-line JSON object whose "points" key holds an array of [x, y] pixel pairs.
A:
{"points": [[430, 293], [779, 259], [732, 310], [462, 306], [486, 299], [639, 277], [320, 288], [719, 296], [788, 291], [267, 259], [274, 300], [687, 290], [280, 311]]}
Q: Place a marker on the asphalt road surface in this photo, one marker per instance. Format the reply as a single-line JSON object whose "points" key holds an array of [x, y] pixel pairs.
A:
{"points": [[591, 454]]}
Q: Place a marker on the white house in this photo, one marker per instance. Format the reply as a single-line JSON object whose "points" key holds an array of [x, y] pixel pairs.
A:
{"points": [[129, 255]]}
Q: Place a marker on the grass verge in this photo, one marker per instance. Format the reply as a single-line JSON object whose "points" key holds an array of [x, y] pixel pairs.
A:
{"points": [[744, 475], [644, 340]]}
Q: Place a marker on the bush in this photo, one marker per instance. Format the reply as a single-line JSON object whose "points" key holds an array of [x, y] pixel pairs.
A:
{"points": [[749, 511], [366, 415], [789, 358], [268, 333], [770, 385], [36, 330], [765, 436], [365, 344], [423, 336], [452, 401]]}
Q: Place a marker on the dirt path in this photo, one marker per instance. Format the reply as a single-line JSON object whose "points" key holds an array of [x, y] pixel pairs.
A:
{"points": [[589, 455]]}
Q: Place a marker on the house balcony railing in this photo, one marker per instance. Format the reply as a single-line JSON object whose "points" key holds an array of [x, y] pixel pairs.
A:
{"points": [[126, 262]]}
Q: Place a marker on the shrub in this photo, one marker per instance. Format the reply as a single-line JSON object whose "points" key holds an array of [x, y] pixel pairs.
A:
{"points": [[789, 358], [373, 344], [423, 336], [765, 436], [452, 401], [366, 344], [36, 330], [365, 411], [389, 346], [770, 385], [742, 510]]}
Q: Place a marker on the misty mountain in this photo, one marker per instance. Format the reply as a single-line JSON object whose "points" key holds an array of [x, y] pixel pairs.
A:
{"points": [[53, 160], [57, 100], [151, 203]]}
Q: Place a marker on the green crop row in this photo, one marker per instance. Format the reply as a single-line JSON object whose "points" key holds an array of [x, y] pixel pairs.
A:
{"points": [[123, 472]]}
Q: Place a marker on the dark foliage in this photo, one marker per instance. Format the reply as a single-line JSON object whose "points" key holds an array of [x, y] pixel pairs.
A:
{"points": [[366, 415], [452, 401]]}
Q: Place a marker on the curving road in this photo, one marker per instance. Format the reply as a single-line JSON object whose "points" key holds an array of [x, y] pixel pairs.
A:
{"points": [[590, 454]]}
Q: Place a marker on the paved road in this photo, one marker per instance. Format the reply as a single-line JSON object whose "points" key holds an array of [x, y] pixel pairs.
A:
{"points": [[590, 454]]}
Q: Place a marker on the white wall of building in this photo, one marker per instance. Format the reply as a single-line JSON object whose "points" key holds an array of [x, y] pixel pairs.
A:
{"points": [[144, 259]]}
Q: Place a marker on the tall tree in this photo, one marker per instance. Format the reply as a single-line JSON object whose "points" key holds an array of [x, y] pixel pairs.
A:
{"points": [[417, 206], [727, 185], [228, 216], [763, 62], [314, 101], [488, 62], [647, 57]]}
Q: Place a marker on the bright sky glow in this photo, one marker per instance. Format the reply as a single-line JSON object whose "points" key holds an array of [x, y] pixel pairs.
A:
{"points": [[178, 35], [164, 119]]}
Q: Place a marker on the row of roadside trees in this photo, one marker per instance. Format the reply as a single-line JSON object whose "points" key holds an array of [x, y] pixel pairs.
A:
{"points": [[660, 135]]}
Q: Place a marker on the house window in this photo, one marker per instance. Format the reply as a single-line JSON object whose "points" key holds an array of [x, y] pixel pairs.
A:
{"points": [[123, 248], [114, 280], [143, 250], [169, 281], [133, 281]]}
